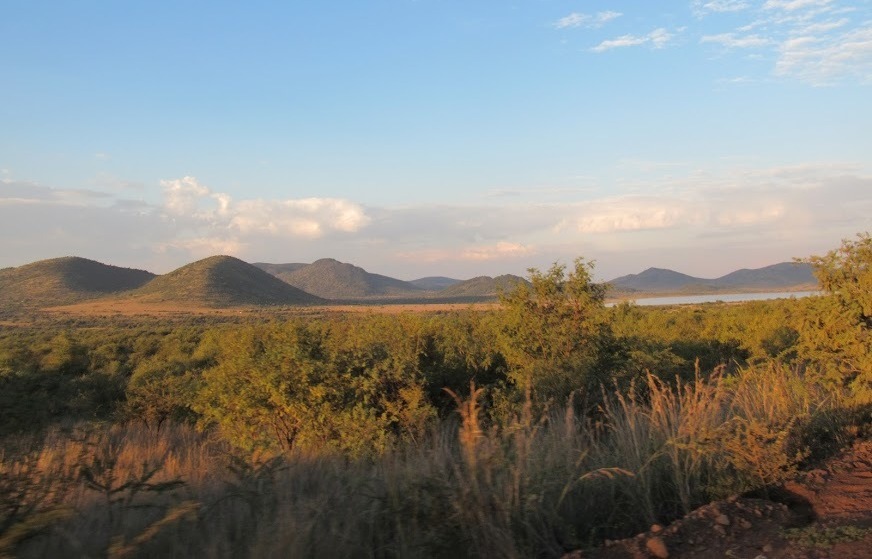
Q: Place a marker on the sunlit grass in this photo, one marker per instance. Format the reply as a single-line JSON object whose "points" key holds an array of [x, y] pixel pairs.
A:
{"points": [[518, 487]]}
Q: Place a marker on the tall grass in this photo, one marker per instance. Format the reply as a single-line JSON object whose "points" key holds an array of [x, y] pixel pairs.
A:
{"points": [[521, 487]]}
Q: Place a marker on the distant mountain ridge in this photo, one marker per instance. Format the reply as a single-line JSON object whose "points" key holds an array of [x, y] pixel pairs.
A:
{"points": [[278, 270], [435, 283], [784, 275], [65, 280], [331, 279], [482, 286], [225, 281], [222, 281]]}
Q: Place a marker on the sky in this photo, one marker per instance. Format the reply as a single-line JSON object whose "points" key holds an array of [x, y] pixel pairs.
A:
{"points": [[426, 137]]}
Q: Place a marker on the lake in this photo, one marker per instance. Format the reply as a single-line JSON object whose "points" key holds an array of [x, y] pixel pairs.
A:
{"points": [[722, 297]]}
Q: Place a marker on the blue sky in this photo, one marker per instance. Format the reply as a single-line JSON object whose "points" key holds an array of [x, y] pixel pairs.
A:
{"points": [[430, 137]]}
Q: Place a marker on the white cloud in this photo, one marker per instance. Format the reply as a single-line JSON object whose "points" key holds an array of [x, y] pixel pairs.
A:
{"points": [[577, 19], [184, 196], [828, 60], [658, 39], [501, 250], [730, 40], [813, 41], [202, 247], [574, 19], [793, 5], [11, 190], [630, 214], [308, 217], [669, 208], [620, 42], [311, 218], [724, 5], [822, 27]]}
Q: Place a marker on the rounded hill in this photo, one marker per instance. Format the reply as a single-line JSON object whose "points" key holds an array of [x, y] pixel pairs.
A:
{"points": [[482, 286], [332, 279], [61, 281], [222, 281]]}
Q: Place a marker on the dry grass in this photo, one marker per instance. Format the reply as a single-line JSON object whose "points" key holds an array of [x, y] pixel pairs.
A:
{"points": [[521, 487]]}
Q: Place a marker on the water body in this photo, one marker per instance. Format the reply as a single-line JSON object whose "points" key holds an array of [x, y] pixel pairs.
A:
{"points": [[720, 297]]}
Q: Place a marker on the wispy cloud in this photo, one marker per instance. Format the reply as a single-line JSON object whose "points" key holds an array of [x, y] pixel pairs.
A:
{"points": [[666, 209], [730, 40], [793, 5], [657, 39], [814, 41], [828, 60], [719, 6], [499, 251], [577, 19]]}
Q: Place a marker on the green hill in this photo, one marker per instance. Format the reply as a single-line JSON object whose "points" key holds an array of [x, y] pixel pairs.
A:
{"points": [[482, 286], [434, 283], [279, 270], [63, 281], [786, 275], [222, 281], [332, 279], [655, 280]]}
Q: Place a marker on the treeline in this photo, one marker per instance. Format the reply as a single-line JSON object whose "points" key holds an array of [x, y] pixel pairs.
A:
{"points": [[362, 383], [547, 424]]}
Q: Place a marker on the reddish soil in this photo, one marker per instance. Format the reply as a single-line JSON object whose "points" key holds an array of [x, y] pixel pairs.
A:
{"points": [[825, 514]]}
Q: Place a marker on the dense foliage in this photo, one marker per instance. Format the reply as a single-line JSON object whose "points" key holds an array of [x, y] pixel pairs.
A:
{"points": [[564, 404]]}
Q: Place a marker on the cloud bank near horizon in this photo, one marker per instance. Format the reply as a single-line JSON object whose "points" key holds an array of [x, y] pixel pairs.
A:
{"points": [[787, 211]]}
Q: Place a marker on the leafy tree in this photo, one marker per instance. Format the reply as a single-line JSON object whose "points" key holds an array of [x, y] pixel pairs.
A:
{"points": [[555, 334], [846, 273], [837, 330], [350, 386]]}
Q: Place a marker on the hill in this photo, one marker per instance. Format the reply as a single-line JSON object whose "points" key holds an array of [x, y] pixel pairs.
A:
{"points": [[279, 270], [331, 279], [61, 281], [655, 280], [786, 275], [434, 283], [222, 281], [482, 286]]}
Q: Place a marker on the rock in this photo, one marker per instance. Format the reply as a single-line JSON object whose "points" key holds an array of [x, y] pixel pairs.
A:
{"points": [[656, 528], [767, 548], [723, 520], [657, 547], [719, 530], [744, 524]]}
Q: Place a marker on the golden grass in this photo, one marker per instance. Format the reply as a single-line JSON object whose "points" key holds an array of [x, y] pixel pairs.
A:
{"points": [[518, 487]]}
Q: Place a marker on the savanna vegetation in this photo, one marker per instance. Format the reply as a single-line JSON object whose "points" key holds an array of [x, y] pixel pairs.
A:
{"points": [[547, 424]]}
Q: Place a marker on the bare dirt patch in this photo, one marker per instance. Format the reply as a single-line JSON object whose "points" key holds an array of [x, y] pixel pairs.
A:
{"points": [[825, 514]]}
